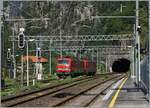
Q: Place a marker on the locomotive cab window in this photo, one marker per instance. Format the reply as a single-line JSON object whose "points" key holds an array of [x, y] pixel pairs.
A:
{"points": [[63, 62]]}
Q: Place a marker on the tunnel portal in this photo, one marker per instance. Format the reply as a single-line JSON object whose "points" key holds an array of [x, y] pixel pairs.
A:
{"points": [[121, 65]]}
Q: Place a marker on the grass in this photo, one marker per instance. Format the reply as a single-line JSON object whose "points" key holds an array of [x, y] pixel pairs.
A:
{"points": [[104, 77], [14, 86], [17, 88]]}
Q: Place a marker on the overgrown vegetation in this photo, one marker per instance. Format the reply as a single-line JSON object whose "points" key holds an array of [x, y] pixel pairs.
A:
{"points": [[17, 88]]}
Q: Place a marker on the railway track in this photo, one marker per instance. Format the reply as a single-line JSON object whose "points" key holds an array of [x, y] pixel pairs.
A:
{"points": [[90, 94], [89, 97], [27, 96], [56, 95]]}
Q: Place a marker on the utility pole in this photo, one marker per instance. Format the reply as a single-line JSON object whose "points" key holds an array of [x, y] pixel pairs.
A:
{"points": [[9, 58], [39, 69], [135, 57], [27, 63], [14, 56], [106, 64], [61, 33], [133, 64], [121, 7], [22, 68], [1, 14], [97, 60], [137, 42], [92, 54], [36, 67], [50, 57], [21, 45], [80, 53], [61, 43]]}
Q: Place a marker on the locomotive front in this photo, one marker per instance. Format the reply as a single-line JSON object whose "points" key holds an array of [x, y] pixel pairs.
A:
{"points": [[63, 67]]}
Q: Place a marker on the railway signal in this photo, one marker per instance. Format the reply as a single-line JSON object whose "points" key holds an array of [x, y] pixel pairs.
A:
{"points": [[21, 39], [21, 44], [38, 64], [9, 54], [9, 63], [139, 29]]}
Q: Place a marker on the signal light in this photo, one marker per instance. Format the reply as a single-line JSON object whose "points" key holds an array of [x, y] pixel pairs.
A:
{"points": [[8, 54], [139, 29], [21, 42]]}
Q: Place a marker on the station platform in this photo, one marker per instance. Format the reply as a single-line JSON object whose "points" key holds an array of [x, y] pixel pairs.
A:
{"points": [[130, 96], [126, 96]]}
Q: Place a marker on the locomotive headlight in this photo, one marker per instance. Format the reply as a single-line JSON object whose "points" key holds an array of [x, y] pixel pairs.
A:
{"points": [[63, 68], [66, 65], [67, 68]]}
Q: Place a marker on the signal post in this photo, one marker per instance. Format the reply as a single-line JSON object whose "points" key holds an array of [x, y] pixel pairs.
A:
{"points": [[21, 45]]}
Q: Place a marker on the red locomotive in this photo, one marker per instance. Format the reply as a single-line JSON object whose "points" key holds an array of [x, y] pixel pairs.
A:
{"points": [[68, 66]]}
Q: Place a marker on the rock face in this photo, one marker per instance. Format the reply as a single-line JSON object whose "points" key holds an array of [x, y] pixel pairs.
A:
{"points": [[121, 65]]}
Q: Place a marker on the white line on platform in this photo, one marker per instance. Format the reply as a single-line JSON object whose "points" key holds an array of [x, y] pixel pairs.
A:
{"points": [[109, 93]]}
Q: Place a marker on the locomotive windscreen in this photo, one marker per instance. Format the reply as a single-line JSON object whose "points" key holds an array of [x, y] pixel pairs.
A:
{"points": [[63, 62]]}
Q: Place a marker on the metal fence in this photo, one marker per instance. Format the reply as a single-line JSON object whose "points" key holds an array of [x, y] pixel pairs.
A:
{"points": [[145, 74]]}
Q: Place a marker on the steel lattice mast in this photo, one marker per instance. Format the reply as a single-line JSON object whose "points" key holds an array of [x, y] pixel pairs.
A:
{"points": [[1, 14]]}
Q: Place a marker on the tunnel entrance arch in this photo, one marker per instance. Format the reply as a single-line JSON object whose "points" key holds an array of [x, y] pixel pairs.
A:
{"points": [[114, 58], [121, 65]]}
